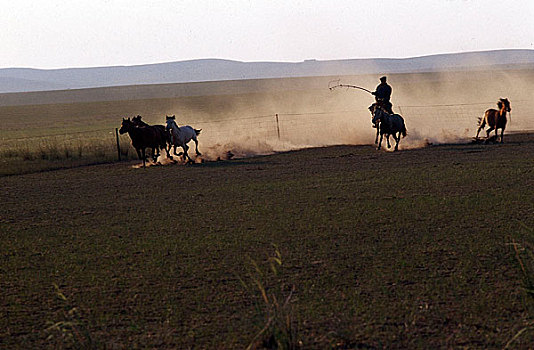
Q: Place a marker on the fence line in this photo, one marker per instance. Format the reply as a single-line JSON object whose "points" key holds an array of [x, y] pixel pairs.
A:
{"points": [[273, 125], [55, 135], [459, 104], [110, 130]]}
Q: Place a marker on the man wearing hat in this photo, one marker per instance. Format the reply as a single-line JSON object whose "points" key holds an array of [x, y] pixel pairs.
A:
{"points": [[383, 94]]}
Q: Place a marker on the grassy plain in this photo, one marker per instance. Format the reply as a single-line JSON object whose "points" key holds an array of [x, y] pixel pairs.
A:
{"points": [[385, 250], [57, 129]]}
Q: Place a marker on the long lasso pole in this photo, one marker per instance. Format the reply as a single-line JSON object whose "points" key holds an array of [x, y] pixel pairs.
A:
{"points": [[350, 86], [338, 85]]}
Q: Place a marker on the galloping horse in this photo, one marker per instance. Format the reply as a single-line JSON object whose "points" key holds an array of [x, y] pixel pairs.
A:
{"points": [[390, 124], [142, 138], [496, 119], [180, 136], [380, 103], [165, 137]]}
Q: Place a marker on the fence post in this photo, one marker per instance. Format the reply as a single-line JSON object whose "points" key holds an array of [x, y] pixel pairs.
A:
{"points": [[118, 143], [277, 126]]}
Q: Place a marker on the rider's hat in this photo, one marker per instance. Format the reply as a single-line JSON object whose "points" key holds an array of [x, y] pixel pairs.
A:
{"points": [[383, 78]]}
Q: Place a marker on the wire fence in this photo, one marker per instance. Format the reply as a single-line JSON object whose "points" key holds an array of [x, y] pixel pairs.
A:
{"points": [[462, 119], [307, 128]]}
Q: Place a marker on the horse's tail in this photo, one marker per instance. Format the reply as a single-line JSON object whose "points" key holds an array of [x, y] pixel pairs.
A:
{"points": [[197, 131], [403, 130]]}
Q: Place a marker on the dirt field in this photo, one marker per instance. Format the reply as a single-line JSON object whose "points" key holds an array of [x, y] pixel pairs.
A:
{"points": [[384, 250]]}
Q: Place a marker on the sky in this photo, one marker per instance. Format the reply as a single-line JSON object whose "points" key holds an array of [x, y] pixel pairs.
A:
{"points": [[74, 33]]}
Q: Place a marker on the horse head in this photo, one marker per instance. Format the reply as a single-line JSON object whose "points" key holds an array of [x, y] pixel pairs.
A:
{"points": [[138, 122], [126, 125], [376, 112], [171, 122], [503, 102]]}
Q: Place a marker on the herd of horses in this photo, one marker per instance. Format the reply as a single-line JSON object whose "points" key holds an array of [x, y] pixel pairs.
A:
{"points": [[160, 137]]}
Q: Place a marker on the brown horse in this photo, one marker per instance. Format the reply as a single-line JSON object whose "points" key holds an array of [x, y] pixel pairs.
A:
{"points": [[496, 119], [165, 137], [142, 138]]}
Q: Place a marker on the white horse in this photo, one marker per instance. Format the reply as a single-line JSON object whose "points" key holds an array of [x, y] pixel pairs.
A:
{"points": [[181, 135], [390, 124]]}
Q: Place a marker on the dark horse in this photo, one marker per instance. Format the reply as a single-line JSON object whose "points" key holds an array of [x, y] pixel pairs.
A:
{"points": [[386, 107], [496, 119], [164, 135], [390, 124], [142, 138]]}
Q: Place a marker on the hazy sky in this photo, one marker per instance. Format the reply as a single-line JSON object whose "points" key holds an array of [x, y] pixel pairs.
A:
{"points": [[75, 33]]}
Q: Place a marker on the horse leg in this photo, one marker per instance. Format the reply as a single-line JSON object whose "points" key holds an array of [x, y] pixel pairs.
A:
{"points": [[480, 127], [143, 150], [502, 135], [154, 155], [154, 158], [186, 155], [380, 141], [167, 149], [489, 131], [397, 139], [377, 132], [387, 139], [196, 147], [185, 148]]}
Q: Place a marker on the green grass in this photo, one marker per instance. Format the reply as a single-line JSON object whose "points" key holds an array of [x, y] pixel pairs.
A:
{"points": [[274, 305], [55, 152], [153, 257], [523, 248]]}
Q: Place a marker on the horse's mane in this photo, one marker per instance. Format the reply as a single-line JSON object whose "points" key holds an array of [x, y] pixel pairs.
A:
{"points": [[137, 120], [505, 102]]}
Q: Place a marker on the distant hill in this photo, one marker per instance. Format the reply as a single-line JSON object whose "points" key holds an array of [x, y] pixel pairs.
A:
{"points": [[25, 79]]}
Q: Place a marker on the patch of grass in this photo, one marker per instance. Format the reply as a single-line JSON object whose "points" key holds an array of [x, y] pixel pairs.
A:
{"points": [[71, 330], [279, 329], [49, 153], [524, 255]]}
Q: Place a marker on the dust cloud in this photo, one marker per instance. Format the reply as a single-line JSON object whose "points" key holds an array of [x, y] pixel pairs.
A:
{"points": [[298, 113]]}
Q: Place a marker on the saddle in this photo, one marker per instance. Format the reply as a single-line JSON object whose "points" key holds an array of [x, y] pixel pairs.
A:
{"points": [[385, 105]]}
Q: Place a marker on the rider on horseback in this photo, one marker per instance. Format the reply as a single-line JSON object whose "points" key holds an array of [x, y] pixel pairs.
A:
{"points": [[383, 94]]}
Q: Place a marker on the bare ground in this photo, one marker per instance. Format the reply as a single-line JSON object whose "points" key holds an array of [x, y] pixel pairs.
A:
{"points": [[385, 250]]}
